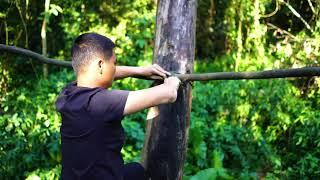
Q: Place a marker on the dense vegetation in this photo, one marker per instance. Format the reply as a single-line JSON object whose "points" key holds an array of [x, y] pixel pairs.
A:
{"points": [[239, 129]]}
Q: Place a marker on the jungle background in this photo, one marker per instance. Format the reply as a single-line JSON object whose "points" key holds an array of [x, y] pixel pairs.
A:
{"points": [[245, 129]]}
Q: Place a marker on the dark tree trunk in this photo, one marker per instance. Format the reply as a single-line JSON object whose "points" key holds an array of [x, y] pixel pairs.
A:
{"points": [[166, 136]]}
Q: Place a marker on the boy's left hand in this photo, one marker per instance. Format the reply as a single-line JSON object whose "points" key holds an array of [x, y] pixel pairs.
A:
{"points": [[155, 70]]}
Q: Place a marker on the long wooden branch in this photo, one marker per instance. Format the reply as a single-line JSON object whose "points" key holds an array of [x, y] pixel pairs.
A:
{"points": [[282, 31], [279, 73], [297, 14], [33, 55]]}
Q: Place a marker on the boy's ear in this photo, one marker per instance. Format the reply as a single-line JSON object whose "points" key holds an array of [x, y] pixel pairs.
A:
{"points": [[100, 63]]}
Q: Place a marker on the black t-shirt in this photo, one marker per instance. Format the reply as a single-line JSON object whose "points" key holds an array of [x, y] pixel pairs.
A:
{"points": [[91, 132]]}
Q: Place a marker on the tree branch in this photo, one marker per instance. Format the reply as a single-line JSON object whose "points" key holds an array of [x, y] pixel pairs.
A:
{"points": [[282, 31], [297, 15], [272, 13], [311, 6], [279, 73], [31, 54]]}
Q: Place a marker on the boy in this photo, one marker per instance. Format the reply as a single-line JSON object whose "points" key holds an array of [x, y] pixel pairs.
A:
{"points": [[91, 131]]}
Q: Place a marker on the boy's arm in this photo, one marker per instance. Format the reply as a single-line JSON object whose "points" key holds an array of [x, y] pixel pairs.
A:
{"points": [[129, 71], [161, 94]]}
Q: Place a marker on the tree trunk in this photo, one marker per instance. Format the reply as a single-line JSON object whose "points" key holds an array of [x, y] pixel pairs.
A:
{"points": [[44, 37], [166, 134]]}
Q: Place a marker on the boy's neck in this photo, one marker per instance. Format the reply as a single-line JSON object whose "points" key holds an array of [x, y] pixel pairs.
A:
{"points": [[87, 81]]}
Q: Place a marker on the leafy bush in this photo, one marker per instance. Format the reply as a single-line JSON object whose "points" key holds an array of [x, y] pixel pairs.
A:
{"points": [[239, 129], [260, 127], [30, 137]]}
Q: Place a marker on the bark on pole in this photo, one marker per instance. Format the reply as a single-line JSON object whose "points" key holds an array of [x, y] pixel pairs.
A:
{"points": [[166, 134]]}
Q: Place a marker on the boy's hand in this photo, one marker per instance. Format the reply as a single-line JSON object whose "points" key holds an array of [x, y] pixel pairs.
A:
{"points": [[155, 70], [173, 84]]}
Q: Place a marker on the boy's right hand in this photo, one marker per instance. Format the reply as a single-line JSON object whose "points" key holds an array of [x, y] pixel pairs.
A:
{"points": [[173, 84]]}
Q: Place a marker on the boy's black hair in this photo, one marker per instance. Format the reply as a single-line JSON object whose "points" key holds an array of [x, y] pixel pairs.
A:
{"points": [[87, 46]]}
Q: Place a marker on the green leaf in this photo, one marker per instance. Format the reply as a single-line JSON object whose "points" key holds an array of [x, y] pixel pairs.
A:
{"points": [[207, 174], [54, 12], [217, 159], [2, 15]]}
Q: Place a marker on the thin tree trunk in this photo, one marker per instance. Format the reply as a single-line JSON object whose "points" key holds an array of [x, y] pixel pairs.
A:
{"points": [[166, 137], [6, 31], [44, 37], [23, 23], [239, 37]]}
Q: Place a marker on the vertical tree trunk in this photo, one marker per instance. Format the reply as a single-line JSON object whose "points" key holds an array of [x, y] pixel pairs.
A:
{"points": [[44, 36], [239, 37], [166, 134]]}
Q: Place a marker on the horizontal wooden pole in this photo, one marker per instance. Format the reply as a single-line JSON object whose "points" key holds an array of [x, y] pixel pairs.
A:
{"points": [[270, 74], [279, 73], [33, 55]]}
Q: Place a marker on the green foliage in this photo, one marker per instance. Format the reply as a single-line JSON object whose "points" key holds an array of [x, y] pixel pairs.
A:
{"points": [[30, 137], [48, 174], [134, 130], [239, 129], [217, 172], [259, 126]]}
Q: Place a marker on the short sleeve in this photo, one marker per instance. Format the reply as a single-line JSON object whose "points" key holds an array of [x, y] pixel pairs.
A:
{"points": [[109, 104]]}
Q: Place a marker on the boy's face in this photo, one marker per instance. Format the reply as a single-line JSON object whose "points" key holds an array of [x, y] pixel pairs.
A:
{"points": [[108, 70]]}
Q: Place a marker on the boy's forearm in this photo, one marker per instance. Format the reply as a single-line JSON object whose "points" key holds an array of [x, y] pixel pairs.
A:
{"points": [[145, 98], [128, 71]]}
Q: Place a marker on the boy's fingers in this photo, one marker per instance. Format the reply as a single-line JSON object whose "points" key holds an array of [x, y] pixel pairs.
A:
{"points": [[159, 72], [167, 73], [162, 74], [166, 80], [162, 70], [178, 81]]}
